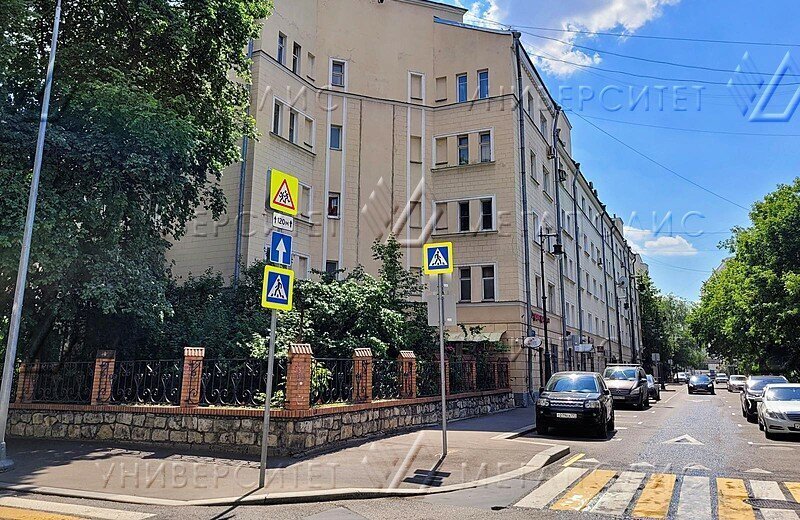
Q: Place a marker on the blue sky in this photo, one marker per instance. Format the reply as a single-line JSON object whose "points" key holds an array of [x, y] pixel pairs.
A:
{"points": [[739, 168]]}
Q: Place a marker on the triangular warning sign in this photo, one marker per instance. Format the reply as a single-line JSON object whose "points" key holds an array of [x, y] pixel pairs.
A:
{"points": [[283, 197], [277, 292], [438, 259]]}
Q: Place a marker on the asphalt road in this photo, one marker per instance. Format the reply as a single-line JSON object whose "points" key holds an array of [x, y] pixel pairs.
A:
{"points": [[685, 457]]}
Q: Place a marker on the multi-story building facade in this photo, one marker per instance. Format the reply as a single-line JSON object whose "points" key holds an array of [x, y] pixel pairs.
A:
{"points": [[399, 118]]}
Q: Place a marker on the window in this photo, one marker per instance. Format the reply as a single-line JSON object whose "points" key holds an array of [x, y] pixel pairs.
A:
{"points": [[441, 151], [487, 275], [546, 180], [337, 73], [543, 123], [483, 84], [296, 54], [333, 205], [487, 215], [538, 289], [331, 266], [463, 149], [277, 117], [336, 137], [416, 149], [302, 267], [441, 216], [292, 126], [463, 216], [311, 60], [551, 294], [309, 139], [465, 282], [441, 88], [530, 104], [486, 147], [535, 227], [416, 87], [305, 201], [461, 83], [281, 57], [533, 165]]}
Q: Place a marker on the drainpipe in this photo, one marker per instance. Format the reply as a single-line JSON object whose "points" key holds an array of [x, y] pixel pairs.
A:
{"points": [[559, 228], [629, 293], [242, 177], [634, 311], [605, 274], [577, 253], [525, 230], [616, 296]]}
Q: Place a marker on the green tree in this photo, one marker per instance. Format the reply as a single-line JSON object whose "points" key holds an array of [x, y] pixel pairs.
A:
{"points": [[144, 118]]}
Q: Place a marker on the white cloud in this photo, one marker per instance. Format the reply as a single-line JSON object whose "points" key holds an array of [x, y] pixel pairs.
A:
{"points": [[643, 241], [627, 16]]}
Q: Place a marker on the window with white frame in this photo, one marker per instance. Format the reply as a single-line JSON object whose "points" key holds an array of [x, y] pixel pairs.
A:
{"points": [[487, 277], [334, 206], [304, 205], [461, 88], [533, 166], [296, 57], [463, 149], [487, 215], [545, 179], [310, 60], [463, 216], [483, 84], [301, 266], [277, 117], [415, 86], [465, 284], [338, 73], [336, 137], [543, 123], [293, 126], [486, 146], [281, 56]]}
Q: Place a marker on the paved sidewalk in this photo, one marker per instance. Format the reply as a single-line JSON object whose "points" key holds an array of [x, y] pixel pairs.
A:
{"points": [[480, 449]]}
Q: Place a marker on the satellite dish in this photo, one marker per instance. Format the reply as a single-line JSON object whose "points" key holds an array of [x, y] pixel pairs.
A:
{"points": [[623, 281], [532, 342]]}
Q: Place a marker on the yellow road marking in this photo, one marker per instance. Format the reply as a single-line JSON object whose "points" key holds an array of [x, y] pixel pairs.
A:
{"points": [[656, 497], [573, 460], [794, 489], [12, 513], [732, 495], [584, 491]]}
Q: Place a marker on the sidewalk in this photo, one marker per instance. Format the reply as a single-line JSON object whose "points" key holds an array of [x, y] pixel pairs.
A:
{"points": [[481, 451]]}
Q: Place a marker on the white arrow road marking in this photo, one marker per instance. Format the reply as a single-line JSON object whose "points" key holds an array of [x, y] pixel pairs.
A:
{"points": [[642, 465], [684, 439], [698, 467], [759, 471]]}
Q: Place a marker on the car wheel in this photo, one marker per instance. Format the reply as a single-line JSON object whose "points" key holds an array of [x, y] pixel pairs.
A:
{"points": [[612, 423], [713, 392], [760, 425], [750, 418], [602, 430], [541, 427], [744, 412], [769, 435]]}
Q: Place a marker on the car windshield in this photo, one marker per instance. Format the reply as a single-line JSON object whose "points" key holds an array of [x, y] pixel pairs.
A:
{"points": [[738, 378], [584, 384], [759, 384], [721, 375], [700, 379], [783, 394], [620, 374]]}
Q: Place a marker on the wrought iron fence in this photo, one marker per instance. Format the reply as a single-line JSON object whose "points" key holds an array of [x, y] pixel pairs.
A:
{"points": [[57, 382], [462, 376], [386, 379], [332, 381], [428, 377], [146, 382], [491, 375], [240, 382]]}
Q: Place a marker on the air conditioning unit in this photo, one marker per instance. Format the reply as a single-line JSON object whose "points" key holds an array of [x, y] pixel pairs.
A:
{"points": [[551, 153]]}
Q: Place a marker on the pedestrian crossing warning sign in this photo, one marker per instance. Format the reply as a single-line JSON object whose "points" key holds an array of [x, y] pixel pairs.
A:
{"points": [[283, 192], [437, 258], [276, 292]]}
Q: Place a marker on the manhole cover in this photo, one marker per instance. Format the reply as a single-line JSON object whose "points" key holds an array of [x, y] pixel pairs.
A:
{"points": [[773, 504]]}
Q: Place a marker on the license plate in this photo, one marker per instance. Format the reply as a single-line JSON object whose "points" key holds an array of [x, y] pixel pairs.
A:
{"points": [[619, 398], [566, 416]]}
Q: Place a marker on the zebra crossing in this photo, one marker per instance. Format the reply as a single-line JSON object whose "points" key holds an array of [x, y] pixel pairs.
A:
{"points": [[659, 495]]}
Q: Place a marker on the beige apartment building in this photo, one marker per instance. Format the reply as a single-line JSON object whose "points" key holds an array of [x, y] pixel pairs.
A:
{"points": [[399, 118]]}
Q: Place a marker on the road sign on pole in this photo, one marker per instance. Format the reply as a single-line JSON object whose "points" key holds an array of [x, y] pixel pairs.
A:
{"points": [[283, 192], [281, 221], [437, 258], [276, 293], [280, 251]]}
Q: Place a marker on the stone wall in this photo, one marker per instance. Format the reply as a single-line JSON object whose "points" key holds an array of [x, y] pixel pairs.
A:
{"points": [[239, 430]]}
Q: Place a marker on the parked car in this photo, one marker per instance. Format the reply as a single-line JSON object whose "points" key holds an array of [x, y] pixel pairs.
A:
{"points": [[736, 383], [779, 409], [682, 377], [721, 379], [701, 383], [653, 388], [753, 392], [575, 399], [628, 385]]}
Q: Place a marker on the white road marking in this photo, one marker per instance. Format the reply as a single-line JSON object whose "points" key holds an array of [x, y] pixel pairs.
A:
{"points": [[73, 509], [615, 501], [547, 492], [684, 439], [766, 490], [695, 498], [759, 471]]}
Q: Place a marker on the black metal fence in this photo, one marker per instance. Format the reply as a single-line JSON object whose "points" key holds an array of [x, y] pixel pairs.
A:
{"points": [[332, 381], [386, 379], [146, 382], [56, 382], [428, 377], [240, 382]]}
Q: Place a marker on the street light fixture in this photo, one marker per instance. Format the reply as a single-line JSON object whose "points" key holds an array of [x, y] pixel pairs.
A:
{"points": [[558, 250]]}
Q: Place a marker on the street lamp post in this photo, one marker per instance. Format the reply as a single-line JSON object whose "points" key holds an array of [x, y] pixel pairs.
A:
{"points": [[557, 250]]}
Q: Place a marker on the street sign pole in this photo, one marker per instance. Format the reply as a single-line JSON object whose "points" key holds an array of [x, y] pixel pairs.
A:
{"points": [[442, 365], [262, 472]]}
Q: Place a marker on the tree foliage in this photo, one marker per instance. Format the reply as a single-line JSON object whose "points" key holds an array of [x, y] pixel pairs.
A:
{"points": [[144, 117], [749, 310]]}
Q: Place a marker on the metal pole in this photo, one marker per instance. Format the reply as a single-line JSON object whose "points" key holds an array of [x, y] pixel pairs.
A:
{"points": [[22, 273], [547, 366], [262, 474], [242, 178], [441, 365]]}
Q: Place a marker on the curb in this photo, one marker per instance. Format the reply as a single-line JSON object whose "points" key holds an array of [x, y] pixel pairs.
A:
{"points": [[539, 461]]}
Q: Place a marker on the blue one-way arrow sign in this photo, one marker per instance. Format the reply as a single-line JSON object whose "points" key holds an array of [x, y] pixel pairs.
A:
{"points": [[280, 251]]}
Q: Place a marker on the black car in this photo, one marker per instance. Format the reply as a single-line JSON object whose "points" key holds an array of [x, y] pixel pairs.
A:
{"points": [[753, 392], [575, 399], [701, 383]]}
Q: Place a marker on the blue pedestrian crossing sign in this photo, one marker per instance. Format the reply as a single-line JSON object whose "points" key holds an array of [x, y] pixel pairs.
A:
{"points": [[276, 292], [280, 250], [437, 258]]}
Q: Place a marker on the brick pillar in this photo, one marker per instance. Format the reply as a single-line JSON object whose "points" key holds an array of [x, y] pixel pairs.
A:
{"points": [[23, 382], [471, 367], [407, 365], [192, 375], [362, 375], [104, 363], [298, 377], [446, 373]]}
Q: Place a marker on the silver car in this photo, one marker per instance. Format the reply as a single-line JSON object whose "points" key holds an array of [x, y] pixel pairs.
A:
{"points": [[736, 383], [779, 409]]}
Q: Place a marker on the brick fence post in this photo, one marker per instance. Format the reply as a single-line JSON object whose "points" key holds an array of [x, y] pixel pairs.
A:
{"points": [[407, 365], [362, 375], [298, 377], [192, 375], [471, 367], [104, 363], [446, 373]]}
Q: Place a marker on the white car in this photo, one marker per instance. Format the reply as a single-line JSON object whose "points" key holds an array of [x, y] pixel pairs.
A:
{"points": [[721, 379], [779, 409]]}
